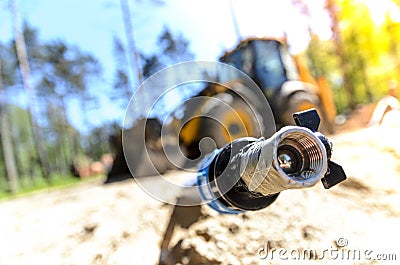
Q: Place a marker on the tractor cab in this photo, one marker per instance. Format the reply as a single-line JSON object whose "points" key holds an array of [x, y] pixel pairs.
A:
{"points": [[266, 61], [283, 79]]}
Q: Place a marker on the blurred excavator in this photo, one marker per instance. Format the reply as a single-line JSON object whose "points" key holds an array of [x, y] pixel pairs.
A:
{"points": [[285, 82]]}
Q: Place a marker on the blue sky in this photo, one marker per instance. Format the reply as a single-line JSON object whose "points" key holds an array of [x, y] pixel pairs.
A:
{"points": [[91, 25]]}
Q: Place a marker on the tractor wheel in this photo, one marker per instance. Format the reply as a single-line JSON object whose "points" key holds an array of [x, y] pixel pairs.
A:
{"points": [[226, 122], [300, 101]]}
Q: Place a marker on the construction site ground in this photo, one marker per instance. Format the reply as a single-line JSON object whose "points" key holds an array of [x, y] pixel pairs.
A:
{"points": [[356, 222]]}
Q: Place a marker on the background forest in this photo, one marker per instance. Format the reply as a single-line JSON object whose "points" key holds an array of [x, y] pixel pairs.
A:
{"points": [[50, 92]]}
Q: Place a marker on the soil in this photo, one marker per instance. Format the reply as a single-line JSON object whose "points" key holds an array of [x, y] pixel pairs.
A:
{"points": [[120, 224]]}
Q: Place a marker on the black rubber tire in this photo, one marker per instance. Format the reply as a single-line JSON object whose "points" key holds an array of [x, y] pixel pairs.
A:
{"points": [[228, 122], [300, 101]]}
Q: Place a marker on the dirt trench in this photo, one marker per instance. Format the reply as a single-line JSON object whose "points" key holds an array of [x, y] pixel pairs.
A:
{"points": [[121, 224]]}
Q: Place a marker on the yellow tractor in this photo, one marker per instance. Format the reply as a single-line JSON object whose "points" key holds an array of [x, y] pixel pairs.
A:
{"points": [[284, 81]]}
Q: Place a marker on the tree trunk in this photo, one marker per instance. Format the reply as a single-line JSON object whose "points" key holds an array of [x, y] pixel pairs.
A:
{"points": [[66, 143], [132, 51], [6, 144], [25, 75]]}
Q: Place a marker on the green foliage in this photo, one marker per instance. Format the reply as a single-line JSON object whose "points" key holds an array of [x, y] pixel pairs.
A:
{"points": [[60, 72], [64, 69], [173, 49], [26, 157], [9, 65], [3, 182], [98, 139], [370, 54], [64, 72], [59, 181]]}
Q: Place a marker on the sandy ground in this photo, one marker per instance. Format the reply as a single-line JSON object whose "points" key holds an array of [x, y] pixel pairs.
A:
{"points": [[121, 224]]}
